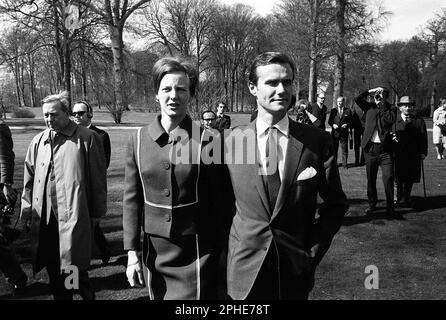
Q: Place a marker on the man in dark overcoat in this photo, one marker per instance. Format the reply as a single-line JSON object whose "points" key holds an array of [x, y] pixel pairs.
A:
{"points": [[410, 150]]}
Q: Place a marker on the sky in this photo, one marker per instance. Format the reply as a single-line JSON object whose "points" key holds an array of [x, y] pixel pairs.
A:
{"points": [[408, 15]]}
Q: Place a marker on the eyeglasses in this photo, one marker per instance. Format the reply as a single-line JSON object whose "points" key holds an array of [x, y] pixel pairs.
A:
{"points": [[79, 113], [209, 119]]}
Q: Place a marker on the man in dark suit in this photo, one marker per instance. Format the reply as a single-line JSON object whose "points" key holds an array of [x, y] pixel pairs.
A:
{"points": [[222, 121], [410, 150], [82, 115], [340, 121], [377, 143], [275, 241], [319, 110], [357, 130], [9, 264]]}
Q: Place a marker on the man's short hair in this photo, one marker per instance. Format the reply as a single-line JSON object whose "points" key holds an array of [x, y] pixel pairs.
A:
{"points": [[62, 98], [208, 111], [267, 58], [174, 64]]}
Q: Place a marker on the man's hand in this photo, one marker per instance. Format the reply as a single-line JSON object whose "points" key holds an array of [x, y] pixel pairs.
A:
{"points": [[375, 89], [344, 125], [10, 194], [335, 126], [134, 270], [423, 156]]}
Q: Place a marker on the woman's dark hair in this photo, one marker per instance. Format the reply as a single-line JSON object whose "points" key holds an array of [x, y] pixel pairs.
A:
{"points": [[174, 64]]}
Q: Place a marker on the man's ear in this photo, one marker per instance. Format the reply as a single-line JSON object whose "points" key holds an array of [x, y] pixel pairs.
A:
{"points": [[252, 88]]}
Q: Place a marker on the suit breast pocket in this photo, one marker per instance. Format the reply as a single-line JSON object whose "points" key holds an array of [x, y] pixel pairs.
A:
{"points": [[306, 190]]}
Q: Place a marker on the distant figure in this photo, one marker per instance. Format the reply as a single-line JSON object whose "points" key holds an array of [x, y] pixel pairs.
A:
{"points": [[304, 115], [64, 191], [319, 110], [9, 264], [410, 149], [223, 121], [208, 119], [357, 129], [439, 129], [377, 143], [340, 120], [82, 115]]}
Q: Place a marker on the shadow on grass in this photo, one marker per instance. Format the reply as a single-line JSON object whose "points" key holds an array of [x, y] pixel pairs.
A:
{"points": [[419, 204], [33, 289], [429, 203], [114, 282]]}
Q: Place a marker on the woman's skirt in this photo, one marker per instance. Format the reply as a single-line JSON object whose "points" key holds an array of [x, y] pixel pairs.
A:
{"points": [[437, 137], [181, 268]]}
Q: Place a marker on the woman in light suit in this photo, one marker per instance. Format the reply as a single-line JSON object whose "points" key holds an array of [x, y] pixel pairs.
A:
{"points": [[438, 136], [173, 202]]}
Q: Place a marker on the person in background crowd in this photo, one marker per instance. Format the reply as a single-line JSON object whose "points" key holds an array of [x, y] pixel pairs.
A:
{"points": [[82, 115], [9, 264], [208, 119], [357, 130], [276, 242], [377, 143], [439, 129], [319, 110], [223, 121], [410, 149], [340, 120], [64, 191], [177, 205], [303, 115]]}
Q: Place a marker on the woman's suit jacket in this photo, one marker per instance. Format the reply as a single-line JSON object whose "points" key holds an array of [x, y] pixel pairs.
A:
{"points": [[291, 228]]}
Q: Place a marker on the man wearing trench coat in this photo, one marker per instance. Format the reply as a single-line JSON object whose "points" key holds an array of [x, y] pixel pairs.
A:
{"points": [[64, 191]]}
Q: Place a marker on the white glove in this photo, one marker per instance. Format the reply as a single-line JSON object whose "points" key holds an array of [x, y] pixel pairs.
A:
{"points": [[134, 270]]}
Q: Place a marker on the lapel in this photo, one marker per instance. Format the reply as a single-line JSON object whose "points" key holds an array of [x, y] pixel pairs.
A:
{"points": [[292, 160], [254, 172]]}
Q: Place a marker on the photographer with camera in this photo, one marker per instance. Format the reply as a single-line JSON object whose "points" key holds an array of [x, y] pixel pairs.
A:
{"points": [[9, 264], [377, 143]]}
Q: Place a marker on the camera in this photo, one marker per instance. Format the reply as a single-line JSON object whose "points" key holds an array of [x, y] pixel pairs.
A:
{"points": [[6, 211], [379, 96]]}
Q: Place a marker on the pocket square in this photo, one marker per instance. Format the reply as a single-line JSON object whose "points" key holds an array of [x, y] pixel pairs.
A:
{"points": [[308, 173]]}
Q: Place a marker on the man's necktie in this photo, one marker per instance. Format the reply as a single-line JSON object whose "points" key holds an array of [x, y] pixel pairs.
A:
{"points": [[273, 178]]}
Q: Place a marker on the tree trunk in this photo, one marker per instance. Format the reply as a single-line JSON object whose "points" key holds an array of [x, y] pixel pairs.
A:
{"points": [[339, 72], [118, 67], [59, 47], [67, 68], [32, 82], [312, 85], [433, 95]]}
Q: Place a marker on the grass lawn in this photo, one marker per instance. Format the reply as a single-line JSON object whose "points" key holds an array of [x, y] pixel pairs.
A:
{"points": [[410, 253]]}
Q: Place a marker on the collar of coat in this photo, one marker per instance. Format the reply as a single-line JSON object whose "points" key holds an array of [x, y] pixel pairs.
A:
{"points": [[67, 131], [156, 130]]}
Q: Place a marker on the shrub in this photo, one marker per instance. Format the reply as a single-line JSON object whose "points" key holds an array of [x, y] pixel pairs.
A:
{"points": [[22, 113]]}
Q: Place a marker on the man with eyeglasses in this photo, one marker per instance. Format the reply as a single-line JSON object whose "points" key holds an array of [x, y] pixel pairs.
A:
{"points": [[82, 115], [319, 110], [208, 119]]}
